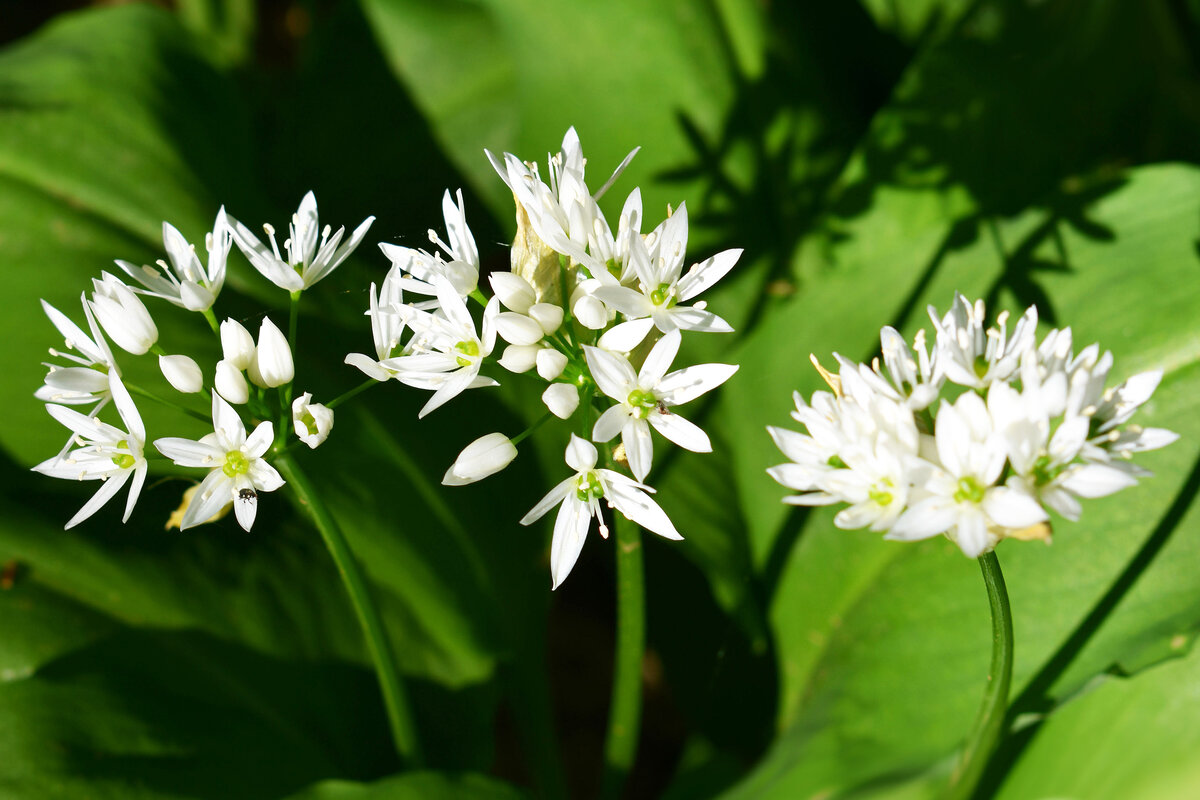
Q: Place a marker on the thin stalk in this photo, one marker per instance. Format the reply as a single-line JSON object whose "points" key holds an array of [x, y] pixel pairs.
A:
{"points": [[989, 723], [211, 318], [341, 398], [395, 699], [135, 389], [625, 710]]}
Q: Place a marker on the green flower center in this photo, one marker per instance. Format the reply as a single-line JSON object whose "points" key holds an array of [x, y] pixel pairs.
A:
{"points": [[642, 403], [981, 366], [124, 460], [836, 462], [588, 487], [310, 423], [236, 464], [661, 295], [468, 347], [969, 491], [1044, 472], [882, 496], [614, 268]]}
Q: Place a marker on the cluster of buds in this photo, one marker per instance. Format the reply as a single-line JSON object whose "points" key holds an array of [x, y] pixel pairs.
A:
{"points": [[595, 313], [86, 373], [1028, 428]]}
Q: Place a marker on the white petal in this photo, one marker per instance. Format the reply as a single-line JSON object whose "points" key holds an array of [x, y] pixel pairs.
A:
{"points": [[680, 431], [689, 383], [581, 454], [696, 319], [625, 336], [1096, 480], [927, 518], [107, 490], [189, 453], [639, 450], [1012, 508], [610, 423], [705, 274], [214, 492], [612, 373], [552, 498], [659, 359], [637, 506], [570, 531], [259, 441]]}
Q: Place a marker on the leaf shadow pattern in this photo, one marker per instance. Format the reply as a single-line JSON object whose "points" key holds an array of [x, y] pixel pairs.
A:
{"points": [[1034, 111]]}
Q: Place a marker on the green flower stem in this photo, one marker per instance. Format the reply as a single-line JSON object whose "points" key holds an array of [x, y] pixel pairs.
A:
{"points": [[341, 398], [625, 710], [211, 318], [989, 724], [394, 697], [135, 389]]}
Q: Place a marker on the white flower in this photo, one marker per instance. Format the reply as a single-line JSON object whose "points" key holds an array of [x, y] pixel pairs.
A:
{"points": [[272, 364], [312, 421], [237, 345], [485, 456], [88, 381], [515, 293], [182, 372], [970, 355], [304, 260], [238, 473], [563, 214], [186, 282], [122, 315], [645, 399], [105, 453], [387, 325], [462, 270], [858, 450], [562, 399], [447, 353], [661, 284], [230, 383], [958, 496], [580, 495]]}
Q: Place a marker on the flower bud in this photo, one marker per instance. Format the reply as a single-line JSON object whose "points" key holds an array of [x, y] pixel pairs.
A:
{"points": [[237, 345], [550, 363], [272, 365], [123, 316], [562, 399], [590, 312], [485, 456], [519, 357], [230, 383], [313, 421], [518, 329], [548, 315], [514, 292], [182, 373]]}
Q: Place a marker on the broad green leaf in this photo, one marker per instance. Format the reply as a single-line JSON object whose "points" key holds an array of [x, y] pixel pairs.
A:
{"points": [[883, 646], [1123, 738]]}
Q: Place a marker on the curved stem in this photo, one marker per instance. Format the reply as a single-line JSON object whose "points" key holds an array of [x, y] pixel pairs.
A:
{"points": [[341, 398], [625, 710], [191, 412], [989, 724], [395, 699]]}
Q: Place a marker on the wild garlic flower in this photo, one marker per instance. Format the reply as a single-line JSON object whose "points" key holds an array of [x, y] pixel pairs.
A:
{"points": [[238, 470], [1035, 432], [104, 452], [312, 421], [86, 381], [123, 315], [447, 353], [645, 399], [421, 267], [578, 498], [309, 253], [186, 282]]}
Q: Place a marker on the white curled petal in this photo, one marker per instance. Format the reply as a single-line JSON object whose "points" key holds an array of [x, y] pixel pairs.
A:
{"points": [[637, 506]]}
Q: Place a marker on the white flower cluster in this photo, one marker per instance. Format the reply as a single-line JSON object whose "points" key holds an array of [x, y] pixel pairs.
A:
{"points": [[595, 313], [87, 373], [1032, 429]]}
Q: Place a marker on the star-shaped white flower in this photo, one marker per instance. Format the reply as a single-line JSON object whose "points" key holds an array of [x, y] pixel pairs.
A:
{"points": [[239, 471], [445, 353], [580, 496], [658, 262], [645, 399], [462, 269], [185, 281], [105, 452], [306, 258], [958, 495], [971, 355], [88, 382]]}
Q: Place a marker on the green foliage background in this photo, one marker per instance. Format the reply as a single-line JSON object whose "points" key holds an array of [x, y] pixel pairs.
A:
{"points": [[870, 157]]}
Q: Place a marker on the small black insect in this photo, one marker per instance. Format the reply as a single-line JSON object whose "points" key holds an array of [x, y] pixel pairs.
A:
{"points": [[247, 494]]}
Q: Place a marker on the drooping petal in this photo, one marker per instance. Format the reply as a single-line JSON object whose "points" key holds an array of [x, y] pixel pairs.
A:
{"points": [[637, 506], [639, 450], [552, 498], [680, 431], [213, 493], [570, 531], [106, 492]]}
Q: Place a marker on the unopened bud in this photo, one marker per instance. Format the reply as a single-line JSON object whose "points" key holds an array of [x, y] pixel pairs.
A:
{"points": [[182, 373], [485, 456]]}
